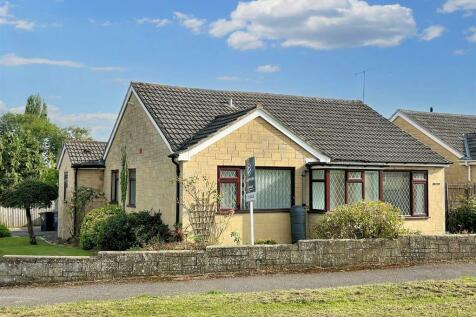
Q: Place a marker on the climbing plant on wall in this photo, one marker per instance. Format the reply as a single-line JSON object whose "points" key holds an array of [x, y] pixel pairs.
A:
{"points": [[123, 176]]}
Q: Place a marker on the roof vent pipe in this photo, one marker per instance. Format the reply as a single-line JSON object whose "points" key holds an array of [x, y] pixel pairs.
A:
{"points": [[231, 103]]}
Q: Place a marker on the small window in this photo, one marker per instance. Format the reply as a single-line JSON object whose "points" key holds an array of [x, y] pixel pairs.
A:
{"points": [[229, 188], [318, 190], [132, 188], [65, 185], [114, 185], [354, 187]]}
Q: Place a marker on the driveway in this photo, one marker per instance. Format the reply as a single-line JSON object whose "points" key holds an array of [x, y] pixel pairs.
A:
{"points": [[51, 236], [22, 296]]}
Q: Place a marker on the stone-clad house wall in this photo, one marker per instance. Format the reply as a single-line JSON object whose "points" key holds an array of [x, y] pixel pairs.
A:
{"points": [[313, 254], [148, 154], [455, 173], [92, 177], [272, 149], [64, 217]]}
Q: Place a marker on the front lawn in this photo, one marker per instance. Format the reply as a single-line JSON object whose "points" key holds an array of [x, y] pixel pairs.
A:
{"points": [[429, 298], [22, 246]]}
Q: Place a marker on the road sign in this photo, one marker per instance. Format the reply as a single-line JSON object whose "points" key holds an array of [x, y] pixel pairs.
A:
{"points": [[251, 193], [250, 179]]}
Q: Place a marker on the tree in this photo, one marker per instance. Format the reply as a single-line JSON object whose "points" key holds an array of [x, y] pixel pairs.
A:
{"points": [[123, 176], [36, 106], [77, 133], [27, 194], [20, 156]]}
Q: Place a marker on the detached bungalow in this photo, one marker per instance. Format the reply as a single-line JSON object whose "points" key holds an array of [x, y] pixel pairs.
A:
{"points": [[313, 151], [453, 136]]}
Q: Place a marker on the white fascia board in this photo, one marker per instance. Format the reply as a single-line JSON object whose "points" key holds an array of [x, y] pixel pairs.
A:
{"points": [[63, 150], [425, 132], [189, 153], [131, 91]]}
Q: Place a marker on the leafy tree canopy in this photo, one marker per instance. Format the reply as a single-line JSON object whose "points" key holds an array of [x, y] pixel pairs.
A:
{"points": [[29, 193], [30, 144], [36, 106]]}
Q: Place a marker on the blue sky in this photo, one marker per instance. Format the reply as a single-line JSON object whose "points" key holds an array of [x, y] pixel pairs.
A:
{"points": [[80, 55]]}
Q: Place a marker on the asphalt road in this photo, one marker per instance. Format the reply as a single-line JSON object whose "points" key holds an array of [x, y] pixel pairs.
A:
{"points": [[23, 296]]}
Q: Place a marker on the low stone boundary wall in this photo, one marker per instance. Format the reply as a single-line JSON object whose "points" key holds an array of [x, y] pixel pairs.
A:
{"points": [[221, 259]]}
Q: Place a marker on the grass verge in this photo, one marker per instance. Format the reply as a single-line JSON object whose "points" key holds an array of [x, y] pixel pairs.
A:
{"points": [[22, 246], [428, 298]]}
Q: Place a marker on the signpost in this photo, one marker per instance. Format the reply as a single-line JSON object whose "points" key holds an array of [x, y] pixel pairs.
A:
{"points": [[251, 192]]}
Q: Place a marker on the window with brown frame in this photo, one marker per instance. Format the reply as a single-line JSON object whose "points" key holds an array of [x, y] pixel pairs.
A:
{"points": [[132, 187], [114, 185], [65, 185], [407, 190], [274, 188]]}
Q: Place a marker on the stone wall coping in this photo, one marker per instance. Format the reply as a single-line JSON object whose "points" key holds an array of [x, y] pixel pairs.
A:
{"points": [[48, 257]]}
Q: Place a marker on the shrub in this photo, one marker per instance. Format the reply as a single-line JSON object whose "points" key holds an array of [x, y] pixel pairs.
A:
{"points": [[361, 221], [267, 241], [4, 231], [110, 228], [92, 228], [146, 226], [117, 234], [463, 219]]}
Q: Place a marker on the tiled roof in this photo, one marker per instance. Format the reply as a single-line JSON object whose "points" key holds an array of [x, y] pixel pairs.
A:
{"points": [[449, 128], [86, 153], [470, 146], [344, 130]]}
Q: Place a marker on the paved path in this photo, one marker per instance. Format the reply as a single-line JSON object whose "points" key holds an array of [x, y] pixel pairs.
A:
{"points": [[51, 236], [104, 291]]}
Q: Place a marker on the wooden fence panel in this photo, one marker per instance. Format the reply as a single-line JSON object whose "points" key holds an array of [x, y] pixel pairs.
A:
{"points": [[456, 192], [16, 217]]}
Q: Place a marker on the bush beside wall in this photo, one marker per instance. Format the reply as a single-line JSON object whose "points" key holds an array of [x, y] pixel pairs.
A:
{"points": [[463, 219], [363, 220]]}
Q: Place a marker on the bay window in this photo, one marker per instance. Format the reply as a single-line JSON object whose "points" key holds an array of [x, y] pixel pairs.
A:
{"points": [[407, 190], [274, 188]]}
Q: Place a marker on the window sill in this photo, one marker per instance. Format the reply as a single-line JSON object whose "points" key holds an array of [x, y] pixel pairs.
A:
{"points": [[131, 206], [416, 217], [257, 211], [316, 212]]}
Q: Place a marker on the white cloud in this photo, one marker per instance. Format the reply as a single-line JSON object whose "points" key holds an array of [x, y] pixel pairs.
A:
{"points": [[432, 32], [190, 22], [318, 24], [268, 68], [14, 60], [467, 6], [7, 18], [99, 123], [471, 37], [108, 69], [459, 52], [244, 41], [106, 23], [3, 107], [156, 22], [231, 78]]}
